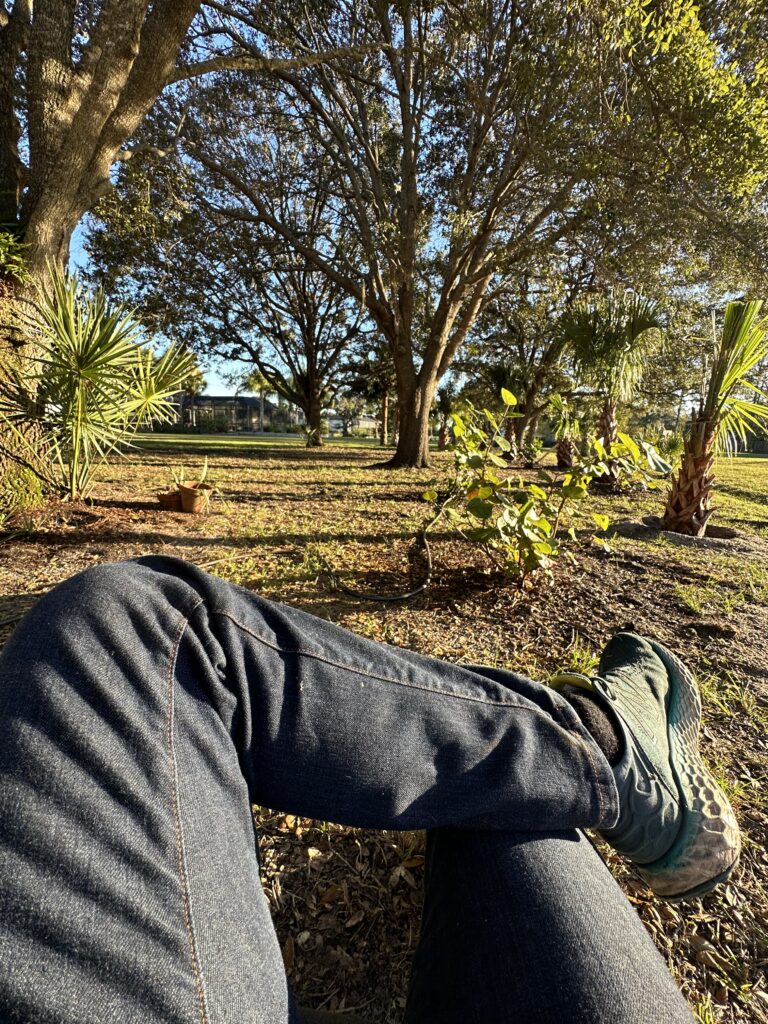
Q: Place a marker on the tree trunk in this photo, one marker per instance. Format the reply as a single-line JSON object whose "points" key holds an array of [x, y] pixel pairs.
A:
{"points": [[413, 437], [384, 425], [442, 437], [688, 500], [510, 434], [261, 410], [608, 433], [533, 426], [566, 453], [607, 425], [314, 413]]}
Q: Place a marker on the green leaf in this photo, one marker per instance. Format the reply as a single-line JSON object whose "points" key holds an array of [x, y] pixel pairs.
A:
{"points": [[573, 487], [429, 495], [479, 508], [491, 418], [507, 397], [655, 462], [503, 443], [602, 520], [459, 430], [631, 445]]}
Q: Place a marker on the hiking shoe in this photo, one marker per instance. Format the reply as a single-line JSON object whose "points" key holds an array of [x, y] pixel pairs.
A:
{"points": [[675, 823]]}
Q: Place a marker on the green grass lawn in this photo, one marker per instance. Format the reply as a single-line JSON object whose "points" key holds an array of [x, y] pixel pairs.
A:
{"points": [[156, 441]]}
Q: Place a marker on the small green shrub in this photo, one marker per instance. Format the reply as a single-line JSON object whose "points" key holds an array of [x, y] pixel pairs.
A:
{"points": [[93, 381], [530, 452], [12, 263], [519, 523]]}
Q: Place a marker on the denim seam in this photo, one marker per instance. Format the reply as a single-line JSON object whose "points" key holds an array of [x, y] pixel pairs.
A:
{"points": [[597, 777], [175, 803], [372, 675]]}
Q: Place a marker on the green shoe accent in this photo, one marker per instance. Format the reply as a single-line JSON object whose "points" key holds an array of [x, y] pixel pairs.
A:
{"points": [[675, 823]]}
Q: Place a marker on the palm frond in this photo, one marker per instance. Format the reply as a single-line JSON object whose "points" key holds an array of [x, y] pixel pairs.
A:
{"points": [[610, 339], [94, 379], [738, 419]]}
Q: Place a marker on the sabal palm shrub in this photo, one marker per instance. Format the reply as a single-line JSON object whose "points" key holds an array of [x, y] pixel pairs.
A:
{"points": [[610, 338], [92, 382], [727, 412]]}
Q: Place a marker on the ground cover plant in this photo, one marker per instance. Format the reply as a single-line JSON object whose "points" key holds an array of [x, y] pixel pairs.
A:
{"points": [[346, 902]]}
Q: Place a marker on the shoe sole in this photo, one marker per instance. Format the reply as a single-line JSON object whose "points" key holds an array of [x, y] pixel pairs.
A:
{"points": [[708, 843]]}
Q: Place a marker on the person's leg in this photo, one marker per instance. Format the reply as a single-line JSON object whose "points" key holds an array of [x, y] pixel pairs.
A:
{"points": [[520, 928], [143, 706]]}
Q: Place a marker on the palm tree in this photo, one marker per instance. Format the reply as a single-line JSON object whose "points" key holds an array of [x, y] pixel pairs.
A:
{"points": [[446, 398], [257, 382], [726, 413], [610, 339], [566, 426], [92, 383]]}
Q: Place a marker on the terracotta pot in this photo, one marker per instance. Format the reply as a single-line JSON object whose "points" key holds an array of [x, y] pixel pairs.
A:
{"points": [[170, 501], [194, 496]]}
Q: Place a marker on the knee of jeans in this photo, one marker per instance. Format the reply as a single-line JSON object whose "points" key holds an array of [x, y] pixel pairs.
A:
{"points": [[101, 585]]}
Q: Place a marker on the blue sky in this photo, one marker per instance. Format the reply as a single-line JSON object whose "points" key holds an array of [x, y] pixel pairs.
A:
{"points": [[78, 259]]}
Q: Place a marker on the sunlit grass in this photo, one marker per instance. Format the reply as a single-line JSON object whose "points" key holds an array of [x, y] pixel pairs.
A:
{"points": [[150, 441]]}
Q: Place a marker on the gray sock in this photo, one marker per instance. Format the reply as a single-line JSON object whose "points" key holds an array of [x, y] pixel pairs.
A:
{"points": [[597, 721]]}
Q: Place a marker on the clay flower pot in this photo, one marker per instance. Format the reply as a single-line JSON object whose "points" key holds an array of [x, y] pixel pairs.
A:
{"points": [[170, 501], [194, 496]]}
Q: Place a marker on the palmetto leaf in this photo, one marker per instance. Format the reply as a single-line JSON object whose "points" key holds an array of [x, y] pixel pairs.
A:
{"points": [[742, 345], [739, 418], [610, 339], [156, 381]]}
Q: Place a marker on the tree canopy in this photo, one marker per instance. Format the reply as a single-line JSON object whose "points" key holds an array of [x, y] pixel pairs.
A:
{"points": [[456, 147]]}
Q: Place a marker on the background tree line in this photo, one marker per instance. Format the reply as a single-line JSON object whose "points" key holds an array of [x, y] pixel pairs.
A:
{"points": [[437, 179]]}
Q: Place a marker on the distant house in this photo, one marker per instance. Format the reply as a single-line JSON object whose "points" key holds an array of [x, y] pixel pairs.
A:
{"points": [[363, 424], [225, 412]]}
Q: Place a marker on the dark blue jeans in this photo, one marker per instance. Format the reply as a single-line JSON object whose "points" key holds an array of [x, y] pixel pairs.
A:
{"points": [[145, 706]]}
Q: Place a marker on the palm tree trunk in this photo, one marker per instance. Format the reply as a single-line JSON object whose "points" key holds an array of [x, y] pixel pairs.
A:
{"points": [[566, 453], [511, 437], [442, 436], [608, 432], [607, 425], [688, 500]]}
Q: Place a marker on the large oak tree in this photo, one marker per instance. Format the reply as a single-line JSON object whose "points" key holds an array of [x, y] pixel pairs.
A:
{"points": [[76, 81], [469, 139]]}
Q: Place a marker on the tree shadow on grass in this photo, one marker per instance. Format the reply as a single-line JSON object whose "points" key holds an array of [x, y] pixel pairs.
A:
{"points": [[129, 506], [256, 453], [74, 538], [741, 493]]}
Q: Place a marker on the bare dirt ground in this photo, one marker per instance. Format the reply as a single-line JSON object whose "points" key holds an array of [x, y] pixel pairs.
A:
{"points": [[346, 902]]}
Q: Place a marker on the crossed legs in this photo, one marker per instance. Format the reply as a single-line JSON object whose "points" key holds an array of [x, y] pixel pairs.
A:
{"points": [[145, 706]]}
